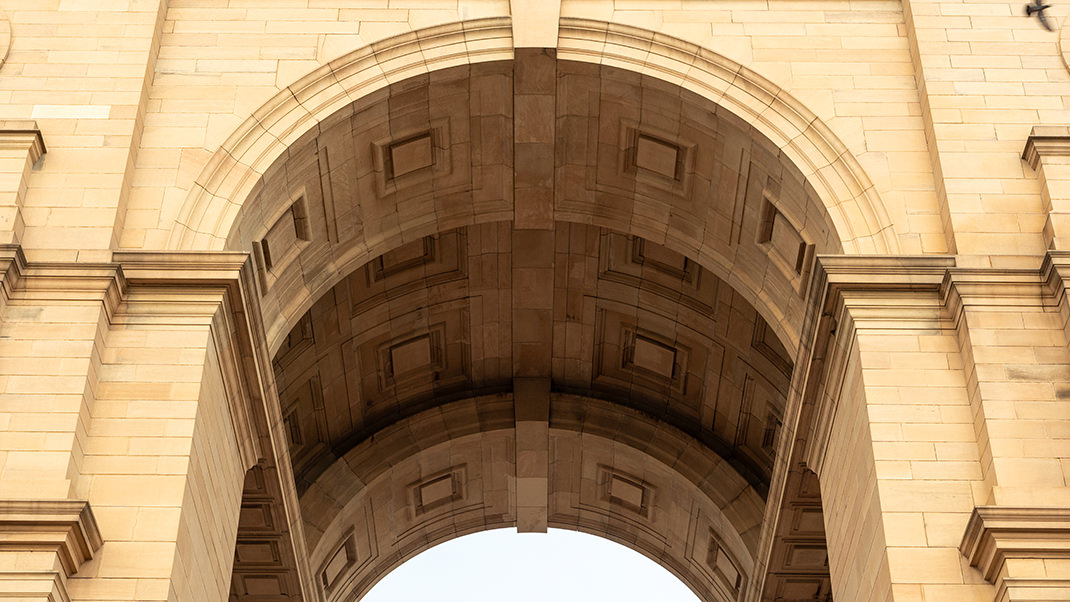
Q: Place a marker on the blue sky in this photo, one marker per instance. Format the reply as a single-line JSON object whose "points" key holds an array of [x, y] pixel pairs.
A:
{"points": [[504, 566]]}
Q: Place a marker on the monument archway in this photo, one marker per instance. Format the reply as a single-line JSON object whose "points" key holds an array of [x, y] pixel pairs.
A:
{"points": [[532, 291]]}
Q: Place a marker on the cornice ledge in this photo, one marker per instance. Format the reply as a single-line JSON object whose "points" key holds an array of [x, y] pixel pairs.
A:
{"points": [[64, 526], [883, 272], [878, 288], [1034, 589], [995, 533], [1056, 266], [1046, 140], [181, 283], [174, 267], [17, 134], [193, 285], [1026, 287], [65, 280], [887, 283], [12, 267], [46, 586]]}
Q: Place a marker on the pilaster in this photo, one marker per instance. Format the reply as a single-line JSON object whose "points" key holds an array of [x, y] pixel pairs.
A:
{"points": [[891, 437], [169, 407], [938, 396], [52, 324], [1047, 151], [21, 145], [1014, 329]]}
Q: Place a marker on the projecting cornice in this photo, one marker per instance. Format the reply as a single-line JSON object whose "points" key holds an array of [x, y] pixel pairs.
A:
{"points": [[1046, 141], [66, 527], [149, 287], [995, 534], [22, 134], [847, 288]]}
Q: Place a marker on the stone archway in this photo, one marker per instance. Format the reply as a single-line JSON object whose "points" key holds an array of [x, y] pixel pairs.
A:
{"points": [[212, 205], [407, 423], [552, 244]]}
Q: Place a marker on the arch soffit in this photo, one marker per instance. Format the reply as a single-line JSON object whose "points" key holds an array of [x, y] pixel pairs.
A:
{"points": [[730, 508], [213, 202]]}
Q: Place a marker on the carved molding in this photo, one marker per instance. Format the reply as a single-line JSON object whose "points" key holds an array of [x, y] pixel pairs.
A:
{"points": [[21, 145], [1026, 589], [69, 281], [212, 289], [995, 534], [20, 134], [1046, 141], [66, 527], [850, 288]]}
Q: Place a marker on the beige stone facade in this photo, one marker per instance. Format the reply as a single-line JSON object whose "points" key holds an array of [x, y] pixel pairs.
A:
{"points": [[771, 291]]}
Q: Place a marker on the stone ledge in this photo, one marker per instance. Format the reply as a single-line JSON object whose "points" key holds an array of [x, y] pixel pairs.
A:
{"points": [[995, 534], [1015, 589], [46, 586], [22, 134], [1046, 141], [66, 527], [886, 289]]}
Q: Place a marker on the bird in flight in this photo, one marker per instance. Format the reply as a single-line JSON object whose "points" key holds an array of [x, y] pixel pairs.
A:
{"points": [[1037, 8]]}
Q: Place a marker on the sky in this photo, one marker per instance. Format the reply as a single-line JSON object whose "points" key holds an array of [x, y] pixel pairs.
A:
{"points": [[504, 566]]}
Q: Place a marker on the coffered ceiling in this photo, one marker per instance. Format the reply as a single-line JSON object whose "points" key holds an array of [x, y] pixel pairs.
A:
{"points": [[435, 251], [435, 320], [533, 141]]}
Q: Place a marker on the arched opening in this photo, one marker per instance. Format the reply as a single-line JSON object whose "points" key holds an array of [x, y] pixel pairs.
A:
{"points": [[579, 309], [501, 564]]}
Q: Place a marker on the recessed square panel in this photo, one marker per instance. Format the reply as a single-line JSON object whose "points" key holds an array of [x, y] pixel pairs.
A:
{"points": [[406, 257], [256, 517], [800, 588], [263, 585], [806, 556], [662, 259], [650, 365], [786, 240], [410, 155], [653, 358], [724, 567], [256, 552], [651, 355], [808, 521], [657, 156], [419, 159], [410, 355], [343, 558], [655, 268], [414, 360], [282, 242], [439, 490], [278, 239], [436, 490], [413, 356], [625, 491]]}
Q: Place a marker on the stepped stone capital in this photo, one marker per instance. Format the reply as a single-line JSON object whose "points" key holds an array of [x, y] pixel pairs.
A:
{"points": [[66, 527], [997, 534], [22, 134], [1046, 140]]}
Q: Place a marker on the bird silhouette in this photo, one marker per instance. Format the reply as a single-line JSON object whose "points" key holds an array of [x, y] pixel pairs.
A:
{"points": [[1037, 8]]}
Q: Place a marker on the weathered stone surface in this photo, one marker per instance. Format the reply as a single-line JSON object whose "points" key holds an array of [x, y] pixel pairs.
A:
{"points": [[774, 292]]}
